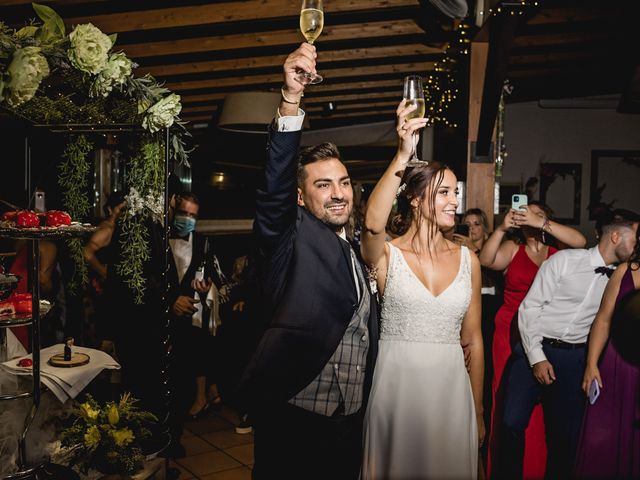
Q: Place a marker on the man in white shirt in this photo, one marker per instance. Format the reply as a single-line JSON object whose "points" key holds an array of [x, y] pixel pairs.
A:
{"points": [[554, 320]]}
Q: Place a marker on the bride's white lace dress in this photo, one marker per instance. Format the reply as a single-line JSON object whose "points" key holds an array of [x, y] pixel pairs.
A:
{"points": [[420, 421]]}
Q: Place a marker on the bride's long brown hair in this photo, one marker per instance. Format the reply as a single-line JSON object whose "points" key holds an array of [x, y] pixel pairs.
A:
{"points": [[417, 182]]}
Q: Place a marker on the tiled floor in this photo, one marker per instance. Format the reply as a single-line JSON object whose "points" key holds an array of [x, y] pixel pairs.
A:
{"points": [[214, 450]]}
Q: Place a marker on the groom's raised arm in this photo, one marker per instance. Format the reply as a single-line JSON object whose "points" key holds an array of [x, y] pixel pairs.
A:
{"points": [[276, 207]]}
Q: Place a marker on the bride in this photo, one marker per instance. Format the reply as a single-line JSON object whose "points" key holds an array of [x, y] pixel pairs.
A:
{"points": [[424, 417]]}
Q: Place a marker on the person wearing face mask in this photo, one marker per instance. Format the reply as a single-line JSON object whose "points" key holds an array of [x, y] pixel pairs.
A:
{"points": [[188, 250]]}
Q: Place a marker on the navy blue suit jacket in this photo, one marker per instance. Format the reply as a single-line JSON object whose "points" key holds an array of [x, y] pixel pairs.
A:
{"points": [[307, 286]]}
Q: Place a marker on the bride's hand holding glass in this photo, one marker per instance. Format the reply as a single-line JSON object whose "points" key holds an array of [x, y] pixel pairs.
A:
{"points": [[406, 127]]}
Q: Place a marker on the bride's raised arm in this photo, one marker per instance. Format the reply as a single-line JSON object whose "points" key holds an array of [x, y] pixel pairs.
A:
{"points": [[383, 195]]}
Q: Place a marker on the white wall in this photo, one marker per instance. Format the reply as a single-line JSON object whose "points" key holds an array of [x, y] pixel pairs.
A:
{"points": [[535, 135]]}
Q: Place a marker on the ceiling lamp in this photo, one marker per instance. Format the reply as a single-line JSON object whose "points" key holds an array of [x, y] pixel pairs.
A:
{"points": [[249, 112]]}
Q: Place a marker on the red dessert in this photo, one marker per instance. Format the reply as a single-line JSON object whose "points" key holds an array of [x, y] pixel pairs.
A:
{"points": [[22, 302], [55, 218], [9, 216], [25, 362], [27, 219]]}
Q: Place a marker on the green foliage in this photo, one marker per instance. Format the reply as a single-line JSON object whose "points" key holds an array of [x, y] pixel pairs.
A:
{"points": [[52, 29], [73, 181], [146, 182], [134, 255]]}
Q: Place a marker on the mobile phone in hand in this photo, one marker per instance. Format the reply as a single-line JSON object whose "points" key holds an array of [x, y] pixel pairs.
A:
{"points": [[518, 201], [594, 391], [462, 229]]}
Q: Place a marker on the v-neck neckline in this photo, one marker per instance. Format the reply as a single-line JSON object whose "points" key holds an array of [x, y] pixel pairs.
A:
{"points": [[455, 279]]}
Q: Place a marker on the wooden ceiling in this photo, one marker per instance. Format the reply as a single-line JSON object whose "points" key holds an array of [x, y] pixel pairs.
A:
{"points": [[206, 49]]}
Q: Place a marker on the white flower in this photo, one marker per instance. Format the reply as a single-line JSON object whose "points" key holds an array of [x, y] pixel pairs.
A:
{"points": [[115, 73], [27, 69], [161, 115], [89, 48], [155, 204]]}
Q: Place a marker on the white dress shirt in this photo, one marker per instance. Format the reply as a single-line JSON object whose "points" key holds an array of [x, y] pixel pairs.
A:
{"points": [[182, 253], [562, 301], [291, 123]]}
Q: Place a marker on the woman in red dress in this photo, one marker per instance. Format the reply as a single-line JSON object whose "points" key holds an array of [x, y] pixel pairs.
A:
{"points": [[520, 261]]}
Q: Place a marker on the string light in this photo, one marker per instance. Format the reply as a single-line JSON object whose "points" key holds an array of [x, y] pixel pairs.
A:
{"points": [[442, 86]]}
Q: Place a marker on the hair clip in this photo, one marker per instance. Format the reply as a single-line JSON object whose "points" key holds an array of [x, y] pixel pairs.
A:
{"points": [[401, 189]]}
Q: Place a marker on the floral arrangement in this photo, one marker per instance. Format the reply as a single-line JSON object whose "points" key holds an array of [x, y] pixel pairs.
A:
{"points": [[50, 77], [105, 438], [77, 78]]}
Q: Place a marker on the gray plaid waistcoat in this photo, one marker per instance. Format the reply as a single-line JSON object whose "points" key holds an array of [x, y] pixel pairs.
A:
{"points": [[338, 388]]}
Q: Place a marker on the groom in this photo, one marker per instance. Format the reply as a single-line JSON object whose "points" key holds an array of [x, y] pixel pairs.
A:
{"points": [[309, 378]]}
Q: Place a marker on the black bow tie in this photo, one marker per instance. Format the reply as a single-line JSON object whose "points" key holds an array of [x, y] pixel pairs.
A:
{"points": [[604, 271]]}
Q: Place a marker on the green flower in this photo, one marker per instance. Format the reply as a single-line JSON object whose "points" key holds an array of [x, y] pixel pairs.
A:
{"points": [[88, 412], [161, 115], [26, 70], [92, 437], [122, 437], [113, 415], [115, 73], [89, 48]]}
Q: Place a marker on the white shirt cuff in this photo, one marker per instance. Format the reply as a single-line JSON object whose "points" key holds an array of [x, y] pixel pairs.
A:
{"points": [[536, 355], [291, 123]]}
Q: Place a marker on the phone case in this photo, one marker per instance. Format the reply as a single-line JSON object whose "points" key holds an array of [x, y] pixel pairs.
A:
{"points": [[519, 200], [594, 391]]}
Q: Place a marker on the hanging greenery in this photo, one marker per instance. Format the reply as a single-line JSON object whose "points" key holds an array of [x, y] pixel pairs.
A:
{"points": [[73, 181], [145, 200]]}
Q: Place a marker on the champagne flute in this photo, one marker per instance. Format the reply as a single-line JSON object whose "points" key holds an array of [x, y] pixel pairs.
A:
{"points": [[414, 95], [311, 23]]}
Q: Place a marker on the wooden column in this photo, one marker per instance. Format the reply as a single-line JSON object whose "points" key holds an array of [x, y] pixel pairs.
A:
{"points": [[480, 176]]}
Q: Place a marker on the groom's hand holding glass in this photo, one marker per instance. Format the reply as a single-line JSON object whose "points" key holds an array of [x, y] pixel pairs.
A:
{"points": [[304, 58]]}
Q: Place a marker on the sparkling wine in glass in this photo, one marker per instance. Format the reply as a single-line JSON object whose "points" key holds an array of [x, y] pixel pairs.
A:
{"points": [[414, 95], [311, 23]]}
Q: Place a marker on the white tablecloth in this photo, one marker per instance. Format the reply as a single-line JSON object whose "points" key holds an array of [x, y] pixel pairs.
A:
{"points": [[64, 382]]}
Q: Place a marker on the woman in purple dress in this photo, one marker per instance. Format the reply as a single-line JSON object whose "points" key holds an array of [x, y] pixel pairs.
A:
{"points": [[610, 442]]}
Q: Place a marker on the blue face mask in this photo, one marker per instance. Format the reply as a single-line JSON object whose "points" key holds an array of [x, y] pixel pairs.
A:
{"points": [[183, 225]]}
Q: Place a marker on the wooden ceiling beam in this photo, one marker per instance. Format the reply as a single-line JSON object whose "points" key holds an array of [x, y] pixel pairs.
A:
{"points": [[215, 13], [356, 106], [557, 57], [354, 86], [270, 39], [55, 3], [352, 97], [559, 39], [160, 71], [199, 108], [384, 112], [312, 95], [204, 97], [276, 78], [195, 118], [583, 13]]}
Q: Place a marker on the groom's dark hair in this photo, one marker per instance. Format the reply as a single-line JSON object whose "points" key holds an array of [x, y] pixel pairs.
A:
{"points": [[316, 153]]}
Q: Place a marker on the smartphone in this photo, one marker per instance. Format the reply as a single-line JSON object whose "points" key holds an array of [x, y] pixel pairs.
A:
{"points": [[594, 391], [518, 201], [462, 229], [39, 205]]}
